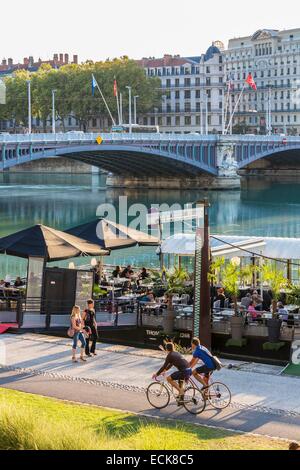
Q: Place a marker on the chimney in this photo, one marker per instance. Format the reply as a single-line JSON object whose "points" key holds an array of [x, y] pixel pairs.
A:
{"points": [[10, 62], [4, 62], [66, 58], [55, 57], [31, 61], [61, 57], [75, 59]]}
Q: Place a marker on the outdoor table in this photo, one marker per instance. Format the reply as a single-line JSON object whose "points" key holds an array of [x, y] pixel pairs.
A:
{"points": [[188, 309], [292, 308]]}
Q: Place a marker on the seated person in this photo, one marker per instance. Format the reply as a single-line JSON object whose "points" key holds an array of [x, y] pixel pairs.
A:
{"points": [[18, 282], [282, 312], [125, 271], [144, 274], [221, 296], [129, 274], [256, 297], [127, 288], [117, 272], [184, 372], [149, 297], [246, 301], [253, 312]]}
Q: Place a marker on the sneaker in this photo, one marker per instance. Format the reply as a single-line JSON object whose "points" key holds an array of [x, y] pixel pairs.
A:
{"points": [[89, 355], [83, 359]]}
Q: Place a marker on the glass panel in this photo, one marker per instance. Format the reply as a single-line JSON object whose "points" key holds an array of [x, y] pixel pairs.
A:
{"points": [[35, 284], [84, 288]]}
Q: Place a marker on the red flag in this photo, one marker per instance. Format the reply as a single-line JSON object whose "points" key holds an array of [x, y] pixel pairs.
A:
{"points": [[115, 88], [251, 82]]}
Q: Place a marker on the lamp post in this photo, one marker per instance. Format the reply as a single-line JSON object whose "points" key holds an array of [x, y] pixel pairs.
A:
{"points": [[53, 111], [134, 107], [130, 110], [29, 106], [269, 114]]}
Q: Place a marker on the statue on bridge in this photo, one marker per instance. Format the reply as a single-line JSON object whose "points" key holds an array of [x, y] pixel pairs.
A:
{"points": [[227, 163]]}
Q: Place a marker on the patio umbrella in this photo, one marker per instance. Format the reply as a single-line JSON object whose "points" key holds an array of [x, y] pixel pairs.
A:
{"points": [[47, 243], [112, 236]]}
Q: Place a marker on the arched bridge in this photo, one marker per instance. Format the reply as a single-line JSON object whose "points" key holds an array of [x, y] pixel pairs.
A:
{"points": [[121, 154], [167, 155]]}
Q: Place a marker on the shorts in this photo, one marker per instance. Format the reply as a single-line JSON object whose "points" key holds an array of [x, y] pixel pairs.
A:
{"points": [[182, 374], [205, 370]]}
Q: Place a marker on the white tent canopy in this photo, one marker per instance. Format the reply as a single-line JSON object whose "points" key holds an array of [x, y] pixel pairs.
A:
{"points": [[183, 244]]}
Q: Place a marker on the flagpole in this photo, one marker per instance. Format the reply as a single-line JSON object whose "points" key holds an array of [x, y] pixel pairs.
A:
{"points": [[102, 96], [121, 108], [235, 107], [118, 106], [227, 96]]}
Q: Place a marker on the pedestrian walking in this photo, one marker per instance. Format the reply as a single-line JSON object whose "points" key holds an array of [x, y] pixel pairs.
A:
{"points": [[77, 327], [89, 318]]}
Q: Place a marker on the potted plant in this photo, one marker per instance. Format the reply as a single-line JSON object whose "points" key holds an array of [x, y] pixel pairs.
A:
{"points": [[175, 284], [231, 275], [276, 281]]}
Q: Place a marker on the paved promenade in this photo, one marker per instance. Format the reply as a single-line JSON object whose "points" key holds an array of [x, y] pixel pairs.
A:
{"points": [[263, 401]]}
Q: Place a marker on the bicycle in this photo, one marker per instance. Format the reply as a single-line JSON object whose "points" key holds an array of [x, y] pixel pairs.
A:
{"points": [[159, 395], [216, 393]]}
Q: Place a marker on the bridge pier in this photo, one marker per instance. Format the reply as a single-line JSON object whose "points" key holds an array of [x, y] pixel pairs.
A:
{"points": [[200, 182]]}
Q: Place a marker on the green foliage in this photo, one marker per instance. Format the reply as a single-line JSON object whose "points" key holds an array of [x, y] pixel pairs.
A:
{"points": [[31, 422], [97, 291], [176, 280], [275, 279], [273, 346], [74, 94], [231, 274], [293, 295]]}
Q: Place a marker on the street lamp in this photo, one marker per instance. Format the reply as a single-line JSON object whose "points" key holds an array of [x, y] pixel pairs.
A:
{"points": [[134, 107], [53, 111], [29, 106], [130, 116]]}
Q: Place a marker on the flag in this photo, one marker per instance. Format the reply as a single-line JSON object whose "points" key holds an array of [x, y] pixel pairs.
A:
{"points": [[94, 84], [230, 82], [115, 88], [251, 82]]}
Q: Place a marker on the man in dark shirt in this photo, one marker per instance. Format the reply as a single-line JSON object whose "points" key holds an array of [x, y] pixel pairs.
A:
{"points": [[174, 359]]}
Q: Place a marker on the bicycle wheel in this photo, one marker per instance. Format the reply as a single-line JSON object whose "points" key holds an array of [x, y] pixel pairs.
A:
{"points": [[158, 395], [218, 395], [194, 400]]}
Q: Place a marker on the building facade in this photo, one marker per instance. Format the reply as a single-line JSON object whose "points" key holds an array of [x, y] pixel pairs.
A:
{"points": [[192, 92], [273, 58]]}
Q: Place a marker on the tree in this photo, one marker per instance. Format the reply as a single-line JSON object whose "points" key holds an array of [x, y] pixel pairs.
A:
{"points": [[276, 281], [231, 275]]}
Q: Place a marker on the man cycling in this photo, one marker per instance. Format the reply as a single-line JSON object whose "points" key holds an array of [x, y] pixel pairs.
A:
{"points": [[209, 366], [184, 372]]}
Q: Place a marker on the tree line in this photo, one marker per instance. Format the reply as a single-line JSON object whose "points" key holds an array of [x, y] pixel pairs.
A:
{"points": [[73, 97]]}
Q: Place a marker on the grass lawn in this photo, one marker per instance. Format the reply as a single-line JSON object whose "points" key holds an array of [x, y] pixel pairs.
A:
{"points": [[33, 422]]}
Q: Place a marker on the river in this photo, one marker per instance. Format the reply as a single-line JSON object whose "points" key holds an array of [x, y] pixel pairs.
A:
{"points": [[64, 201]]}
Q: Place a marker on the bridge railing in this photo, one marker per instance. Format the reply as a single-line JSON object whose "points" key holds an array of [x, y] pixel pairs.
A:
{"points": [[81, 137]]}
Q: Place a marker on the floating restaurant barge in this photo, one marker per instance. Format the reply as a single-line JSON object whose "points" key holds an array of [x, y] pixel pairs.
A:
{"points": [[130, 319]]}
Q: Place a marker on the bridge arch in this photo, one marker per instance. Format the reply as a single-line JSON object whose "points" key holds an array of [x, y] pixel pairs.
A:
{"points": [[133, 160]]}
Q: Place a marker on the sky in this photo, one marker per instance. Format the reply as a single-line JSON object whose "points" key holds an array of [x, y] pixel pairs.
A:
{"points": [[97, 30]]}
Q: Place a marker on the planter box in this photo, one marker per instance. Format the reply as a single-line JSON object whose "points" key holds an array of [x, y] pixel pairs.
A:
{"points": [[256, 330]]}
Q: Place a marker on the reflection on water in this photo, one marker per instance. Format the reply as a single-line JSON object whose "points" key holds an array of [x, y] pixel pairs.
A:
{"points": [[64, 201]]}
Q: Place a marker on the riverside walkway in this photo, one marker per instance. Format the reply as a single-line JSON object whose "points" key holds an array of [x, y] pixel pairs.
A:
{"points": [[263, 401]]}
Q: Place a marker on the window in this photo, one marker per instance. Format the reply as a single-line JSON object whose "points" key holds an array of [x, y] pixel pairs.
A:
{"points": [[187, 82], [187, 94], [187, 120], [177, 121], [169, 122]]}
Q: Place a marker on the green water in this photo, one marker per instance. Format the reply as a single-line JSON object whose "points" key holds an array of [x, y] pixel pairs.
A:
{"points": [[64, 201]]}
